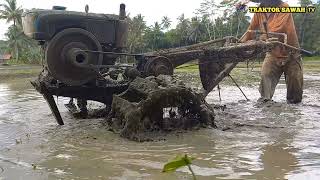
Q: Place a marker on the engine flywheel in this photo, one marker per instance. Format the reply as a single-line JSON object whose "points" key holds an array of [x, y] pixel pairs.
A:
{"points": [[67, 59]]}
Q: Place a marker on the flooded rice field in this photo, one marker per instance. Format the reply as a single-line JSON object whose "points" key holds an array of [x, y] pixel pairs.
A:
{"points": [[275, 141]]}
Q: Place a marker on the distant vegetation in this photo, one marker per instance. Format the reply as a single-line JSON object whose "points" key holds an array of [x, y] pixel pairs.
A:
{"points": [[3, 47], [22, 48], [205, 25], [211, 21]]}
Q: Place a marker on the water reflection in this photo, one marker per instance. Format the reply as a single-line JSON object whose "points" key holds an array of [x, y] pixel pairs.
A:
{"points": [[278, 161]]}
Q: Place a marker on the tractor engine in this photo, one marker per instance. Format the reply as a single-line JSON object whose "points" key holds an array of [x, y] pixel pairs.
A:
{"points": [[77, 44]]}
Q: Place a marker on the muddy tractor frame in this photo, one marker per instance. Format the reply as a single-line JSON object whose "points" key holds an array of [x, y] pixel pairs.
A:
{"points": [[81, 52]]}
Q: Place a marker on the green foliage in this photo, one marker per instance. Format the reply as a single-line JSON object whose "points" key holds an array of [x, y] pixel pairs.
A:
{"points": [[166, 22], [314, 58], [23, 49], [204, 26], [137, 27], [11, 12], [176, 163], [179, 162], [308, 27], [155, 37], [3, 46], [208, 23]]}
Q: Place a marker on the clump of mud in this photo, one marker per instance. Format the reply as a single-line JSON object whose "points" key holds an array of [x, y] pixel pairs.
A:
{"points": [[154, 106]]}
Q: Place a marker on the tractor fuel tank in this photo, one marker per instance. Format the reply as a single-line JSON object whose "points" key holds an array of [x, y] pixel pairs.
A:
{"points": [[109, 29]]}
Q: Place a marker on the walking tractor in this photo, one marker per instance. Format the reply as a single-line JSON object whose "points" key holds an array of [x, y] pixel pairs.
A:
{"points": [[82, 49]]}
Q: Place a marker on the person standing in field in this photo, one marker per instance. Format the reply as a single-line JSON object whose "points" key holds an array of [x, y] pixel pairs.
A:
{"points": [[279, 60]]}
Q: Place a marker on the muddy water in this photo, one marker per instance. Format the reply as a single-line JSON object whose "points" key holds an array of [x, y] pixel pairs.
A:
{"points": [[277, 141]]}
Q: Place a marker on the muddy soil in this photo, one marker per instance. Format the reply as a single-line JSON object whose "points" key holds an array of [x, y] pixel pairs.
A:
{"points": [[155, 106], [276, 141]]}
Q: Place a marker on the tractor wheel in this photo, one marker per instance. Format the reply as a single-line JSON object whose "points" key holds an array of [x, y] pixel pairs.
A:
{"points": [[158, 65]]}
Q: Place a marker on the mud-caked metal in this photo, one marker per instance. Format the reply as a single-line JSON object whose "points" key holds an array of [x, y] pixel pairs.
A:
{"points": [[68, 37], [76, 45]]}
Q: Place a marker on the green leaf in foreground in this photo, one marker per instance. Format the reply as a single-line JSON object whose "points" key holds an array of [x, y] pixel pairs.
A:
{"points": [[178, 162]]}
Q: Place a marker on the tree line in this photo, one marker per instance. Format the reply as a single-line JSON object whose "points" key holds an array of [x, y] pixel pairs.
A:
{"points": [[22, 48], [211, 20], [205, 25]]}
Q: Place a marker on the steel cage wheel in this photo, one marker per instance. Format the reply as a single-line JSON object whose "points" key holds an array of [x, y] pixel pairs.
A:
{"points": [[158, 65]]}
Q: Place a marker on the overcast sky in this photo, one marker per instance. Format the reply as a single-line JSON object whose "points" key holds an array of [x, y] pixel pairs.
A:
{"points": [[152, 10]]}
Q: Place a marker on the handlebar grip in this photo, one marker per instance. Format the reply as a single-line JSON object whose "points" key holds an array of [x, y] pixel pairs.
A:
{"points": [[307, 53]]}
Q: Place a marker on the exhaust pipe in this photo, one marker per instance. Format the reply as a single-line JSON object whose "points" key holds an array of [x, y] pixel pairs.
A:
{"points": [[122, 13], [122, 29]]}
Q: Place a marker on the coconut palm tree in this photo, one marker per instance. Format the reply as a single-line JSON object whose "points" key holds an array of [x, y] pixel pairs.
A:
{"points": [[182, 29], [137, 27], [17, 41], [14, 42], [11, 12], [196, 30], [166, 22]]}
